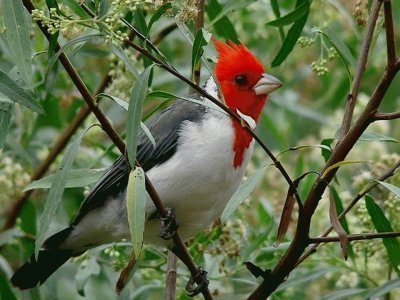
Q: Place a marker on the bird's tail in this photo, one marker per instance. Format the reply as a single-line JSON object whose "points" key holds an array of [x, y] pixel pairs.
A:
{"points": [[50, 258]]}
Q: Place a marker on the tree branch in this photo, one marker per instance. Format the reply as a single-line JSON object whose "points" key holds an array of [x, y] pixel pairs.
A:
{"points": [[355, 237], [385, 116], [362, 61], [170, 281], [391, 47]]}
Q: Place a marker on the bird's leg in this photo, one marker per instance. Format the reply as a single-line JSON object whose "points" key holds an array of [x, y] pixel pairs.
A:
{"points": [[256, 271], [169, 225], [200, 277]]}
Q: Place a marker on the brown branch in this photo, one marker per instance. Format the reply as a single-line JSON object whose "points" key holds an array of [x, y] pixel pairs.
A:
{"points": [[391, 47], [107, 127], [170, 281], [386, 116], [362, 61], [198, 25], [354, 237], [289, 261], [359, 196]]}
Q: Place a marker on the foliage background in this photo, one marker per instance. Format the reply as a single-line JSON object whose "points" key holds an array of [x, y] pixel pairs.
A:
{"points": [[306, 111]]}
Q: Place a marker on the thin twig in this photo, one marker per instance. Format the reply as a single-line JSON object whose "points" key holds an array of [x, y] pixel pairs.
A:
{"points": [[359, 196], [170, 281], [386, 116], [362, 61], [198, 25], [391, 47], [354, 237]]}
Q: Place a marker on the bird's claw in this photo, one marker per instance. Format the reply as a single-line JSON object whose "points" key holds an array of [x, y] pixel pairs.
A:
{"points": [[169, 225], [201, 278]]}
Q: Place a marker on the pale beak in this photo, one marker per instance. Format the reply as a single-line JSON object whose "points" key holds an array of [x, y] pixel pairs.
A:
{"points": [[267, 84]]}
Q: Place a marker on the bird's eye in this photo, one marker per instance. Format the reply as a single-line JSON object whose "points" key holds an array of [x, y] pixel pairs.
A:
{"points": [[241, 80]]}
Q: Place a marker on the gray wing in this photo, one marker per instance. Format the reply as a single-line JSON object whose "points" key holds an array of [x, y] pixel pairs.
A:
{"points": [[165, 130]]}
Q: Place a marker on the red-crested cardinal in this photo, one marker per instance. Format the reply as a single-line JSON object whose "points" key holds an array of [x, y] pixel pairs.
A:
{"points": [[196, 166]]}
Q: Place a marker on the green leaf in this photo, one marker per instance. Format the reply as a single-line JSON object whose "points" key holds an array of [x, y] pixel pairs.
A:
{"points": [[9, 234], [277, 13], [118, 51], [383, 289], [291, 38], [244, 191], [293, 16], [343, 294], [6, 109], [135, 111], [295, 148], [343, 163], [223, 27], [125, 106], [81, 39], [14, 92], [167, 95], [202, 39], [18, 32], [76, 8], [382, 224], [377, 137], [56, 191], [303, 278], [229, 7], [394, 189], [158, 14], [75, 178], [6, 292], [326, 153], [341, 47], [136, 202]]}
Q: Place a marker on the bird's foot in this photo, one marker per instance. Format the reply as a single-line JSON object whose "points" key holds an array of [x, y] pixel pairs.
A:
{"points": [[256, 270], [169, 225], [202, 282]]}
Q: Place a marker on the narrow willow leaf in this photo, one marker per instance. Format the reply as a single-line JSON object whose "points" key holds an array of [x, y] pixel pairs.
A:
{"points": [[293, 16], [167, 95], [303, 278], [377, 137], [229, 7], [343, 294], [135, 111], [343, 163], [15, 93], [6, 292], [383, 289], [394, 189], [6, 109], [277, 13], [135, 202], [295, 148], [326, 154], [291, 38], [337, 226], [76, 8], [125, 106], [157, 15], [126, 274], [224, 26], [75, 178], [56, 191], [118, 51], [80, 39], [244, 191], [287, 210], [202, 39], [18, 31], [382, 224]]}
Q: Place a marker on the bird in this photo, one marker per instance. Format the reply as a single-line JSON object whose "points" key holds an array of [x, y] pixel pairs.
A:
{"points": [[198, 162]]}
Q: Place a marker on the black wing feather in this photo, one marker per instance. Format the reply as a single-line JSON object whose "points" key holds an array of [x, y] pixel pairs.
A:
{"points": [[165, 130]]}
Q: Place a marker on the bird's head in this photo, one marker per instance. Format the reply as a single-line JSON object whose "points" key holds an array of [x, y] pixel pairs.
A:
{"points": [[243, 80]]}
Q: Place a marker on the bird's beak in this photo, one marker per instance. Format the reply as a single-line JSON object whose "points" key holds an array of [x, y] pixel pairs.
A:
{"points": [[267, 84]]}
